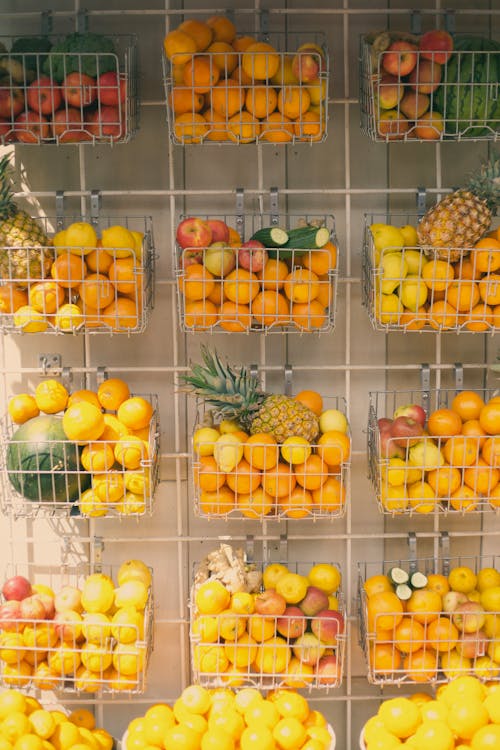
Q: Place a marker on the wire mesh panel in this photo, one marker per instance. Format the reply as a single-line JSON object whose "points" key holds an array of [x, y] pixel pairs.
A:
{"points": [[45, 474], [263, 649], [274, 91], [410, 91], [243, 283], [66, 283], [435, 626], [434, 451], [81, 88], [408, 288], [58, 637]]}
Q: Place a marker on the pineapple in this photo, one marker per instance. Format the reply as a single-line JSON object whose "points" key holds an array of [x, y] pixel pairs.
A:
{"points": [[457, 222], [237, 395], [23, 243]]}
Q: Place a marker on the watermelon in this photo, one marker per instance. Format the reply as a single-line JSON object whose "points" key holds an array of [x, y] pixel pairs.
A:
{"points": [[42, 465]]}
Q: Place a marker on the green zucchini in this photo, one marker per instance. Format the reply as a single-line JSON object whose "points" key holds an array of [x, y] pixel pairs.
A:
{"points": [[403, 592], [418, 580], [307, 238], [398, 576], [271, 236]]}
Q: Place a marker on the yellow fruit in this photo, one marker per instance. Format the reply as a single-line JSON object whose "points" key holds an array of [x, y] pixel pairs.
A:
{"points": [[204, 439], [68, 317], [196, 699], [96, 658], [119, 240], [23, 407], [272, 656], [30, 320], [290, 703], [487, 578], [131, 504], [109, 487], [466, 716], [98, 593], [42, 723], [127, 624], [90, 504], [134, 570], [131, 594], [292, 587], [212, 597], [128, 659], [80, 235], [228, 451], [11, 647], [272, 573], [138, 482], [257, 738], [289, 734], [130, 451], [10, 701], [112, 393], [97, 457], [135, 412], [82, 422], [14, 726], [296, 450], [51, 396], [242, 603], [104, 739], [325, 577], [490, 599], [462, 579], [401, 717], [181, 737]]}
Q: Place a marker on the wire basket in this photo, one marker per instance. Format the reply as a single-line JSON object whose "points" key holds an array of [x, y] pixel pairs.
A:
{"points": [[48, 479], [426, 644], [425, 97], [296, 293], [61, 98], [120, 283], [255, 650], [251, 97], [68, 651], [447, 474], [404, 290], [262, 485]]}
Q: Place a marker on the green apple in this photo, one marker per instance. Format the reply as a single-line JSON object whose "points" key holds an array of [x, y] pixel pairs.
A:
{"points": [[416, 261], [394, 269], [409, 235], [413, 292], [333, 419]]}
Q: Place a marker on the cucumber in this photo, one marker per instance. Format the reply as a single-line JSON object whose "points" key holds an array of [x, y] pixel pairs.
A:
{"points": [[398, 576], [418, 580], [271, 236], [403, 592], [307, 238]]}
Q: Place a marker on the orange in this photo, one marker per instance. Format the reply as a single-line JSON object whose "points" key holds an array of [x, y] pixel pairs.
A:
{"points": [[311, 474], [96, 291], [421, 666], [409, 635], [270, 308], [491, 451], [439, 583], [220, 502], [464, 499], [385, 611], [12, 298], [241, 43], [376, 584], [277, 128], [255, 504], [224, 57], [312, 399], [467, 405], [207, 475], [182, 100], [322, 260], [425, 605], [98, 260], [84, 395], [485, 257], [124, 275], [260, 101], [330, 497], [243, 128], [112, 393], [438, 275], [190, 127], [482, 478], [200, 314], [22, 407], [223, 29], [234, 317], [445, 480], [308, 316], [480, 318], [135, 412], [489, 289], [69, 270], [227, 98], [240, 286], [442, 634], [200, 73], [384, 658], [83, 421], [308, 126], [444, 422], [496, 316], [260, 61], [301, 285], [273, 274], [243, 478], [196, 282], [217, 128], [46, 297], [472, 428], [261, 451], [199, 31], [442, 315], [334, 447], [217, 294], [489, 417], [279, 481], [463, 295], [414, 321], [460, 450], [240, 77], [293, 101], [464, 269], [298, 504], [179, 47]]}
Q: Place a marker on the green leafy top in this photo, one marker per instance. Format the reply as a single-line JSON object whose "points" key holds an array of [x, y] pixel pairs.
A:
{"points": [[59, 63]]}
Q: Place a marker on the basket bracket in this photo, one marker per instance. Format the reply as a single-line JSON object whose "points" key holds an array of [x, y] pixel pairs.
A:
{"points": [[253, 370], [60, 209], [46, 24], [283, 547], [425, 379], [50, 363], [97, 548], [459, 376], [421, 194], [288, 379], [101, 375], [412, 555], [66, 377], [240, 203], [82, 21], [264, 21], [273, 204], [95, 206], [449, 20], [250, 548], [416, 22], [444, 545]]}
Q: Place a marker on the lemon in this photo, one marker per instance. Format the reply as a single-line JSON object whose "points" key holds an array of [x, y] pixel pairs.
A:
{"points": [[127, 625], [82, 422], [492, 705], [128, 659], [466, 716], [97, 457], [96, 627], [462, 579], [257, 737], [113, 428], [131, 504], [290, 703], [228, 451], [138, 482], [68, 317], [325, 577], [104, 739], [212, 597], [293, 587], [51, 396], [134, 570], [59, 240], [23, 407], [487, 578], [98, 593], [196, 722], [108, 487], [206, 629], [211, 659], [242, 603], [196, 699], [65, 735], [95, 657], [410, 236], [130, 451], [401, 717], [131, 594], [289, 733], [30, 320], [138, 240], [387, 237], [490, 599], [262, 713], [272, 573], [14, 726], [296, 450], [91, 505], [465, 686], [217, 739], [42, 723], [181, 737], [204, 439], [81, 236], [10, 701], [118, 239], [86, 739]]}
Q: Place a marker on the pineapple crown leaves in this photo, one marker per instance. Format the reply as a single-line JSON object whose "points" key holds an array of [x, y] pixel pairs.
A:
{"points": [[485, 182], [7, 205]]}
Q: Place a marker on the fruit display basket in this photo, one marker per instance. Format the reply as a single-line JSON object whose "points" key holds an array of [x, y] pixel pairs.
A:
{"points": [[261, 88], [44, 474], [60, 637], [57, 284], [430, 87], [266, 483], [53, 91], [434, 451], [266, 651], [244, 286], [434, 625], [405, 289]]}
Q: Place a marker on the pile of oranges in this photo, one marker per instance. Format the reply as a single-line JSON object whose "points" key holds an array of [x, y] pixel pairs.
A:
{"points": [[226, 87], [95, 282], [294, 479]]}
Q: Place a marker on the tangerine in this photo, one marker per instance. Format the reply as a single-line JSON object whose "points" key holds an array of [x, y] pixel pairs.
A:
{"points": [[298, 504], [97, 291], [463, 295], [280, 481], [491, 451], [200, 314], [207, 475], [489, 289], [255, 504], [224, 57], [12, 298], [301, 285], [261, 451], [124, 275], [461, 450], [234, 317], [384, 659], [227, 98], [190, 127], [330, 497], [422, 665], [270, 308], [260, 101], [442, 634], [489, 417], [468, 405], [485, 256], [334, 447], [46, 297], [260, 61], [273, 274], [409, 635], [312, 399], [243, 128], [385, 611], [277, 128], [444, 422], [200, 73], [308, 316], [240, 286], [69, 270], [425, 605], [243, 478]]}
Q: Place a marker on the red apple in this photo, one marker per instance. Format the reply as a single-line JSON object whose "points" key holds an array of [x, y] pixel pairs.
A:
{"points": [[32, 608], [16, 587], [193, 232], [68, 625], [390, 91], [269, 602], [48, 604], [111, 89], [327, 625], [469, 617], [384, 423], [309, 649], [400, 58], [43, 95], [31, 127], [452, 599], [10, 614], [425, 77], [220, 230], [414, 105], [388, 447], [436, 45], [191, 257], [314, 601], [413, 411], [69, 597], [406, 431], [472, 645], [392, 125], [79, 89], [105, 122], [292, 624], [67, 126], [252, 256], [11, 102], [328, 670], [307, 64]]}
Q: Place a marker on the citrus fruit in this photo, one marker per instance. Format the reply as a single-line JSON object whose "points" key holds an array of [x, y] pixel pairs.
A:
{"points": [[295, 450], [112, 393], [118, 239], [81, 235], [486, 738], [135, 412], [385, 610], [212, 597], [466, 716], [292, 587], [51, 396], [325, 577], [463, 579], [83, 421], [254, 737], [23, 407]]}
